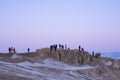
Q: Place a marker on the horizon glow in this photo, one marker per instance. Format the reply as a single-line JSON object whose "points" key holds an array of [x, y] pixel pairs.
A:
{"points": [[94, 25]]}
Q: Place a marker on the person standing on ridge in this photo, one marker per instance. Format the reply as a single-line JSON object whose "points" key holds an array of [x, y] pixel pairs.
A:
{"points": [[28, 50], [14, 50], [79, 47], [9, 49], [93, 54]]}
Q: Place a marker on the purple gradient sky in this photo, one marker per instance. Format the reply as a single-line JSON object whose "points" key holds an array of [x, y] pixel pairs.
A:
{"points": [[94, 24]]}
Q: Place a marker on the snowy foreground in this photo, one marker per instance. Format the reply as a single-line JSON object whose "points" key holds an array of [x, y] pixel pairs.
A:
{"points": [[45, 66], [46, 69]]}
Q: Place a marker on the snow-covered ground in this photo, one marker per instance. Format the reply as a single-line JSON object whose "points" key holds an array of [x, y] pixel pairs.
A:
{"points": [[15, 56], [49, 63], [49, 69]]}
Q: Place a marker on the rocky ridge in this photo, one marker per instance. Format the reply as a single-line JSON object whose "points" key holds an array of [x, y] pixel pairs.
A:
{"points": [[106, 68]]}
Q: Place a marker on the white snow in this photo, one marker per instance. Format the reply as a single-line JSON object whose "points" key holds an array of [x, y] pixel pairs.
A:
{"points": [[60, 65], [116, 66], [24, 64], [33, 70], [15, 56], [49, 63], [107, 63]]}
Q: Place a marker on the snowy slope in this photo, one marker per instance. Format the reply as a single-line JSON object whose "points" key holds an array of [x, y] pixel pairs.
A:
{"points": [[49, 69]]}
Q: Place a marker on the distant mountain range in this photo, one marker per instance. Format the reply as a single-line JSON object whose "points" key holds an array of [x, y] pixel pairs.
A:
{"points": [[114, 55]]}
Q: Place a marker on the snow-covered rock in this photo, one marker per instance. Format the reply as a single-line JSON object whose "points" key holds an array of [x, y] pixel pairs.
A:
{"points": [[37, 71], [15, 56]]}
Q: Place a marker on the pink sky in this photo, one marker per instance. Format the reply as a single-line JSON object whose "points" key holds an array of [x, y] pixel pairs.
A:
{"points": [[94, 25]]}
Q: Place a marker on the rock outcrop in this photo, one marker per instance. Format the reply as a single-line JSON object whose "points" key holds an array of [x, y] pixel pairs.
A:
{"points": [[77, 58], [73, 57]]}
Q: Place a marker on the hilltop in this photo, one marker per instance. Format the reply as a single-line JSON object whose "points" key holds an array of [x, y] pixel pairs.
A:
{"points": [[73, 64]]}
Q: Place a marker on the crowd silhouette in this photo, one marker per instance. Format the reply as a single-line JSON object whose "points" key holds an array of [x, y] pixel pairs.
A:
{"points": [[12, 50], [55, 47]]}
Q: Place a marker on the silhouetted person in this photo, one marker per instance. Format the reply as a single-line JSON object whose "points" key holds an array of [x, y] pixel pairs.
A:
{"points": [[28, 50], [59, 46], [79, 47], [9, 49], [62, 46], [14, 50], [50, 47], [82, 49], [93, 53], [55, 47], [68, 48]]}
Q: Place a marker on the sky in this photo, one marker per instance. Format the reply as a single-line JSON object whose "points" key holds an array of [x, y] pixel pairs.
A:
{"points": [[93, 24]]}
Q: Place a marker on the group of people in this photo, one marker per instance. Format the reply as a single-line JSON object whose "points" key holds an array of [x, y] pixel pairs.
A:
{"points": [[53, 47], [12, 50], [62, 47], [80, 49]]}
